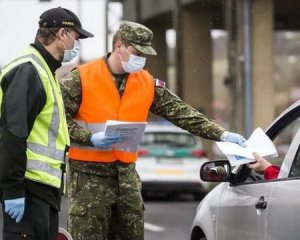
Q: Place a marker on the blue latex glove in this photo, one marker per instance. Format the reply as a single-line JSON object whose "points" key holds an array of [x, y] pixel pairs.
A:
{"points": [[234, 138], [104, 141], [15, 208]]}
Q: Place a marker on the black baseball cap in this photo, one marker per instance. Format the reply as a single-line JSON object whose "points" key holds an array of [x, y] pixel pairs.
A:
{"points": [[62, 17]]}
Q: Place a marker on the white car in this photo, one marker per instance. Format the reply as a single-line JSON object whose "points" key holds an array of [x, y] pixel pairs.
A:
{"points": [[247, 206], [169, 161]]}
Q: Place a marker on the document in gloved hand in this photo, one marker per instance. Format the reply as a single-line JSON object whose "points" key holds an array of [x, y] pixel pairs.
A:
{"points": [[258, 142], [130, 134]]}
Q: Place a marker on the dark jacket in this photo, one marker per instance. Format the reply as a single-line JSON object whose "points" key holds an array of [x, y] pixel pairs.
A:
{"points": [[23, 99]]}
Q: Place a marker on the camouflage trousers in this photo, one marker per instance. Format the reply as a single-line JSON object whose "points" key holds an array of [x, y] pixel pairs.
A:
{"points": [[105, 201]]}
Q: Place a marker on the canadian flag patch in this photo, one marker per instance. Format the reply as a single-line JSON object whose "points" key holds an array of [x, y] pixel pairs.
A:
{"points": [[160, 83]]}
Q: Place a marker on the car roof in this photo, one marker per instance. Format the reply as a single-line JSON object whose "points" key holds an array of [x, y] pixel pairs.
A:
{"points": [[156, 127]]}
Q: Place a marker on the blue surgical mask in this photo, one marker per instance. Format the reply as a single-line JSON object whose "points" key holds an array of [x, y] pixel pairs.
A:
{"points": [[134, 63], [70, 54]]}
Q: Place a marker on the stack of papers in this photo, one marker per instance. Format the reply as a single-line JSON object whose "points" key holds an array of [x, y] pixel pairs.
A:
{"points": [[130, 134], [258, 142]]}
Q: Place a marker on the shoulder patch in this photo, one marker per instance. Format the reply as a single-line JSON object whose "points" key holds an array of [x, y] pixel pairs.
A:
{"points": [[160, 83]]}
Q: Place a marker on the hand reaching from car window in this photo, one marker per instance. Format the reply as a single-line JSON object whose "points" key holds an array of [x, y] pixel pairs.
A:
{"points": [[260, 165]]}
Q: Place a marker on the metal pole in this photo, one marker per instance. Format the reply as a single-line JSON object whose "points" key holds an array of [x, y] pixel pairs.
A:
{"points": [[106, 24], [231, 80], [247, 67], [178, 50]]}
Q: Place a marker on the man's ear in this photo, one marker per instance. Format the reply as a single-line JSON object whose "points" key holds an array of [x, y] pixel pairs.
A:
{"points": [[118, 45], [61, 32]]}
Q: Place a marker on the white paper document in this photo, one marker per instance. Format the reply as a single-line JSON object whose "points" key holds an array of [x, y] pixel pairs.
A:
{"points": [[130, 134], [258, 142]]}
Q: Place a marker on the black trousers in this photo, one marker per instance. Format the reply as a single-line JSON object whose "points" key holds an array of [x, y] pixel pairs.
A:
{"points": [[40, 222]]}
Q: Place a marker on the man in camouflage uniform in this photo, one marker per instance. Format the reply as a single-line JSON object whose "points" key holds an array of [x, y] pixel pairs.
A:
{"points": [[105, 197]]}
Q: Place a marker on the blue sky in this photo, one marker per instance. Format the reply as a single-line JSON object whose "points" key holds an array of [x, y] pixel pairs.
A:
{"points": [[19, 22]]}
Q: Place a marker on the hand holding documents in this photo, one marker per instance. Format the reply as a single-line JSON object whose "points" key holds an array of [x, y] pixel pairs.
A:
{"points": [[130, 134], [258, 142], [100, 140]]}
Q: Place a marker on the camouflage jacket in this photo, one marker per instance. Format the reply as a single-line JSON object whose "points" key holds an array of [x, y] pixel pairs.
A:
{"points": [[165, 104]]}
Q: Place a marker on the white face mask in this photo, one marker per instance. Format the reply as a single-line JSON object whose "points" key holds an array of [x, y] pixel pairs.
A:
{"points": [[70, 54], [134, 63]]}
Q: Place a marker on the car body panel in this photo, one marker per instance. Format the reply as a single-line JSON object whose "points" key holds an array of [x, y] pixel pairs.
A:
{"points": [[208, 210], [235, 213], [238, 218], [238, 204], [285, 203], [284, 212]]}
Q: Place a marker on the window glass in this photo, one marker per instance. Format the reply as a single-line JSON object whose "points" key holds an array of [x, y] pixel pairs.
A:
{"points": [[295, 170], [283, 140], [282, 143]]}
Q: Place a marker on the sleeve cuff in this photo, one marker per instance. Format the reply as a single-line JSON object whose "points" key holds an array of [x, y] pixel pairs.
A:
{"points": [[224, 136], [17, 191], [271, 172]]}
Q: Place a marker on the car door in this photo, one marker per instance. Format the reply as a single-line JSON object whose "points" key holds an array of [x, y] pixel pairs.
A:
{"points": [[243, 206], [238, 218], [284, 206]]}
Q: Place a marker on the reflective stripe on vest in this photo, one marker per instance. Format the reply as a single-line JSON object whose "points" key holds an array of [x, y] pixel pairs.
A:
{"points": [[101, 101], [50, 150], [45, 155], [42, 166]]}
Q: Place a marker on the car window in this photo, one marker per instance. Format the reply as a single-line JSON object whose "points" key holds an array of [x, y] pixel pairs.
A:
{"points": [[295, 170], [168, 139], [283, 141]]}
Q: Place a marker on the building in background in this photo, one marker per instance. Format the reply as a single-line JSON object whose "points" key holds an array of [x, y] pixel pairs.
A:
{"points": [[19, 29], [236, 60]]}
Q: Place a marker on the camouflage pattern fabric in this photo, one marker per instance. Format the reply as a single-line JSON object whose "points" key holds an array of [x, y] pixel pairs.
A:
{"points": [[71, 93], [165, 104], [105, 202], [138, 35], [172, 108], [105, 198]]}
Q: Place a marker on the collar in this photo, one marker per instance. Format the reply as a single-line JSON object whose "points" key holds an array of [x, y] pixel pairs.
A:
{"points": [[52, 62], [105, 58]]}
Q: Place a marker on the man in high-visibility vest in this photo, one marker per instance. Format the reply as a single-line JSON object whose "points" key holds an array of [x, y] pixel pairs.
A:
{"points": [[33, 129], [105, 189]]}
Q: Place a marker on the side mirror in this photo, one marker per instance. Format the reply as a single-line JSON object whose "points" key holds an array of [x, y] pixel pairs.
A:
{"points": [[215, 171]]}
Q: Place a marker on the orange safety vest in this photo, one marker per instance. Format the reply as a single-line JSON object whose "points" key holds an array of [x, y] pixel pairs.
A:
{"points": [[101, 101]]}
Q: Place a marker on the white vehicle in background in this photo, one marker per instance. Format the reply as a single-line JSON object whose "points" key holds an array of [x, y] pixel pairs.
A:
{"points": [[169, 161]]}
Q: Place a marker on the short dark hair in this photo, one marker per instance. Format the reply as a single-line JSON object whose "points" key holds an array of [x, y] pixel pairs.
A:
{"points": [[116, 38], [47, 35]]}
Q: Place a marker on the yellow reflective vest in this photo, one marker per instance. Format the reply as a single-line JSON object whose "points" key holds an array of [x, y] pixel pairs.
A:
{"points": [[49, 136]]}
